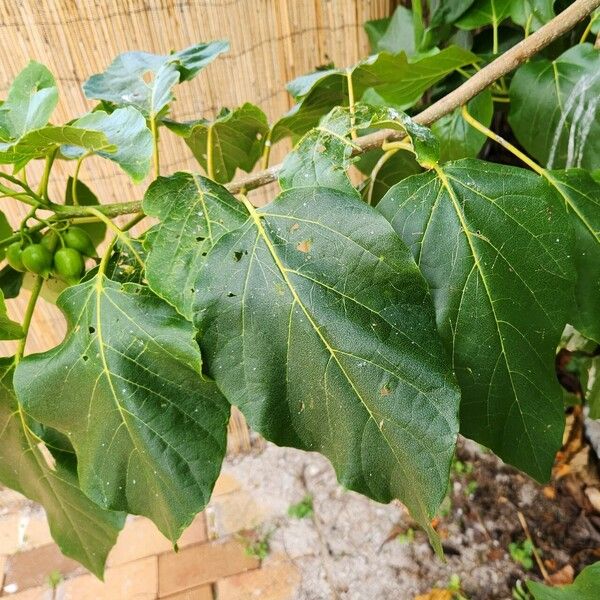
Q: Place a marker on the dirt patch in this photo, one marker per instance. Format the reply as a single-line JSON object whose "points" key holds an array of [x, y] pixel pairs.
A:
{"points": [[352, 548]]}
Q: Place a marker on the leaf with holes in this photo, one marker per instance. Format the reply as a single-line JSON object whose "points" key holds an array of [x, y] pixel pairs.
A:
{"points": [[495, 245], [559, 124], [145, 81], [83, 530], [196, 212], [236, 140], [316, 322], [125, 387]]}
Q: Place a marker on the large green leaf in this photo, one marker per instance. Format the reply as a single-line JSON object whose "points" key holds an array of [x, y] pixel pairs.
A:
{"points": [[145, 80], [237, 140], [457, 138], [315, 321], [582, 199], [532, 14], [126, 130], [41, 142], [382, 79], [9, 329], [495, 246], [5, 232], [194, 212], [125, 387], [31, 99], [485, 12], [559, 124], [393, 35], [585, 587], [83, 530]]}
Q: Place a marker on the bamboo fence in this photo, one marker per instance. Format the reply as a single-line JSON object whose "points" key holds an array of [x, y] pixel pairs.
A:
{"points": [[272, 41]]}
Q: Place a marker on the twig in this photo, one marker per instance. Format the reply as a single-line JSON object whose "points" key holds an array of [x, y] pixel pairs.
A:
{"points": [[538, 560], [504, 64]]}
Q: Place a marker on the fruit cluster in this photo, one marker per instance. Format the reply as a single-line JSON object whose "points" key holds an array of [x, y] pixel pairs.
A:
{"points": [[58, 252]]}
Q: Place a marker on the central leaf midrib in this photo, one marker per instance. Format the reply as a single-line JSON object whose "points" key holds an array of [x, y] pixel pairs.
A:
{"points": [[263, 234]]}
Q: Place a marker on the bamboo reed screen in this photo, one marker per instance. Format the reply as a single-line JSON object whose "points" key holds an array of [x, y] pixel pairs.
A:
{"points": [[272, 41]]}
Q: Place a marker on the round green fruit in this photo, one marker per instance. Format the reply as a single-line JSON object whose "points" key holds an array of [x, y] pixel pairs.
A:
{"points": [[13, 256], [37, 259], [69, 264], [50, 241], [79, 240]]}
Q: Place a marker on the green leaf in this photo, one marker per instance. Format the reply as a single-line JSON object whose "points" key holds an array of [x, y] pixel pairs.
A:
{"points": [[322, 156], [194, 212], [9, 329], [585, 587], [31, 99], [393, 35], [382, 79], [532, 14], [457, 138], [581, 195], [494, 244], [5, 232], [125, 387], [10, 281], [126, 130], [145, 81], [315, 321], [238, 138], [397, 167], [559, 124], [85, 197], [83, 530], [485, 12], [41, 142], [448, 12]]}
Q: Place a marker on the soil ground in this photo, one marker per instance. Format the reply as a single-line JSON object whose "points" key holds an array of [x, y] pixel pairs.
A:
{"points": [[352, 548]]}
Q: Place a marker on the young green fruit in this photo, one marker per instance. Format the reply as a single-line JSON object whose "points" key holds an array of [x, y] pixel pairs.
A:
{"points": [[79, 240], [69, 265], [50, 241], [13, 256], [37, 259]]}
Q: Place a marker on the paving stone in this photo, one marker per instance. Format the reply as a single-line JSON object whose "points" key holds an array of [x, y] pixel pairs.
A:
{"points": [[277, 581], [135, 580], [201, 564]]}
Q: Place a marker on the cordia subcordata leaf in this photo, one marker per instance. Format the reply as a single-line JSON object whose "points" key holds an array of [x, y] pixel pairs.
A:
{"points": [[125, 81], [559, 124], [395, 34], [485, 12], [41, 142], [581, 195], [496, 247], [194, 212], [382, 79], [31, 99], [316, 322], [532, 14], [9, 329], [237, 140], [585, 587], [82, 529], [125, 388], [126, 131]]}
